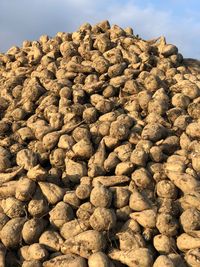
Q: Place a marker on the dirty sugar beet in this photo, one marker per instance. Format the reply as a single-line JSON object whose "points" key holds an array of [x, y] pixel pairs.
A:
{"points": [[99, 152]]}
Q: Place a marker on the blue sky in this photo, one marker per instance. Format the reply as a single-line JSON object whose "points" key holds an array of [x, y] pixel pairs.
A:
{"points": [[178, 20]]}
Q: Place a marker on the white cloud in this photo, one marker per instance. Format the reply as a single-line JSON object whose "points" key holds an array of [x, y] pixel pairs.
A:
{"points": [[26, 19]]}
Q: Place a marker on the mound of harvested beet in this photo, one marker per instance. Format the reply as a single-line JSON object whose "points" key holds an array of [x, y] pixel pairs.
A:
{"points": [[99, 152]]}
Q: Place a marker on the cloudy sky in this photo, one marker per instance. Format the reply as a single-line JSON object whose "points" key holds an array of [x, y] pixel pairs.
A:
{"points": [[178, 20]]}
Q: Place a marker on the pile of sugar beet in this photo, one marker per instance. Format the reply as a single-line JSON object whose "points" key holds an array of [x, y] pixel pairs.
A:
{"points": [[99, 152]]}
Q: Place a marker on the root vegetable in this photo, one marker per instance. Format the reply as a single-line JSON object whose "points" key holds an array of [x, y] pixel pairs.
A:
{"points": [[85, 211], [188, 241], [120, 197], [37, 173], [164, 261], [83, 149], [167, 224], [164, 244], [129, 240], [32, 263], [25, 189], [99, 259], [192, 257], [52, 192], [3, 219], [32, 229], [190, 200], [96, 162], [139, 157], [138, 201], [83, 191], [119, 130], [66, 260], [75, 170], [132, 225], [189, 220], [38, 205], [146, 218], [60, 214], [37, 252], [85, 244], [13, 207], [192, 130], [124, 151], [8, 176], [8, 189], [26, 159], [153, 132], [100, 196], [11, 232], [103, 219], [166, 189], [111, 162], [110, 180], [124, 168], [177, 166], [73, 228], [71, 198], [133, 258], [142, 178], [186, 182], [51, 240]]}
